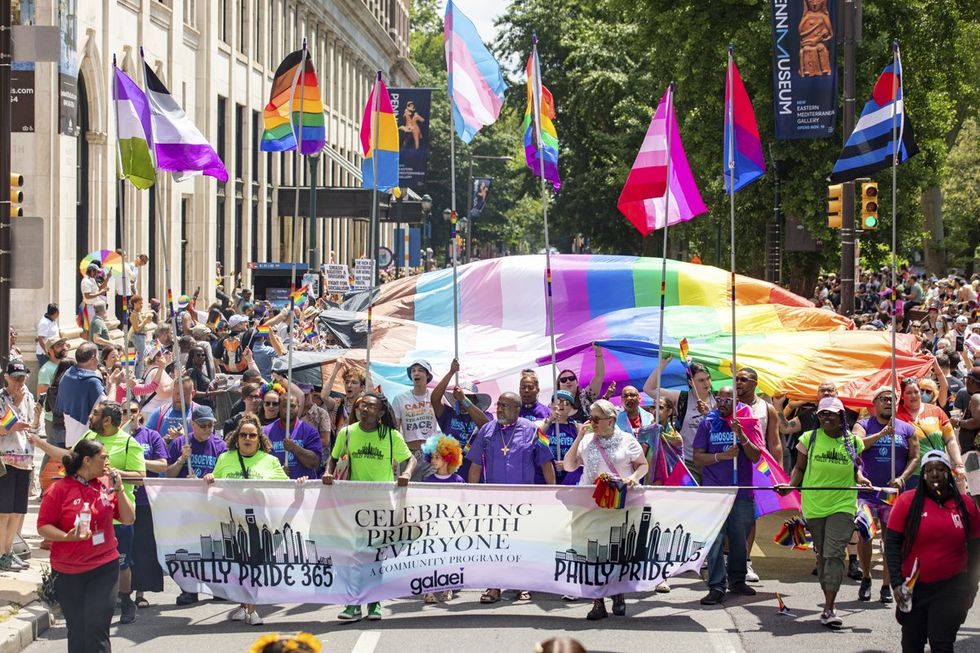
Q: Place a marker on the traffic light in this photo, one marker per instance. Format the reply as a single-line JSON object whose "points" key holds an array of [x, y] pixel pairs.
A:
{"points": [[869, 205], [834, 205], [16, 195]]}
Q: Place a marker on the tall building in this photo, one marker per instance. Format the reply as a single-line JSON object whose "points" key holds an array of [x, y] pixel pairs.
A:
{"points": [[217, 58]]}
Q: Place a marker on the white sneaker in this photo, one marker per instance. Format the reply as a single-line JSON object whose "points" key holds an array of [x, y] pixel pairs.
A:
{"points": [[750, 575], [831, 620], [253, 619], [238, 614]]}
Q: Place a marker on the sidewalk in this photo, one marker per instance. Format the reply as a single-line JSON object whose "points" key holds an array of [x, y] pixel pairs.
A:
{"points": [[22, 616]]}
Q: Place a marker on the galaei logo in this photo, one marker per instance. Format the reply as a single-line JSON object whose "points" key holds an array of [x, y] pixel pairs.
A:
{"points": [[435, 582]]}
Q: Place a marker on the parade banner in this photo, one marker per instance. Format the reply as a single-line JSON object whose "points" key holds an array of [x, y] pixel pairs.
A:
{"points": [[68, 69], [804, 70], [412, 108], [284, 542], [479, 193]]}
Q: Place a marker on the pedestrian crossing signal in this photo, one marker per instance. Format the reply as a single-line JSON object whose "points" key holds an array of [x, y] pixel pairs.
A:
{"points": [[16, 195], [869, 205], [834, 205]]}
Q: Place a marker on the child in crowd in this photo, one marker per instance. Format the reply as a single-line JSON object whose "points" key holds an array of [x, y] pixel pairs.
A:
{"points": [[445, 455]]}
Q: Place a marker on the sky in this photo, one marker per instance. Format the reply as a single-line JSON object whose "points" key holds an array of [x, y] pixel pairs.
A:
{"points": [[483, 13]]}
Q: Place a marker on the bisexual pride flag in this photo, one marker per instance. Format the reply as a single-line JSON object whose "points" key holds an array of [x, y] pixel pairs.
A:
{"points": [[743, 150]]}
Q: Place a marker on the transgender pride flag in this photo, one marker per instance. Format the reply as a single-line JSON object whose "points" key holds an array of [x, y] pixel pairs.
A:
{"points": [[476, 83]]}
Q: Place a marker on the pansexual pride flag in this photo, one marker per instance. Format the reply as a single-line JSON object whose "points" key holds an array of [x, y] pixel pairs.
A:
{"points": [[538, 124], [296, 93], [476, 83], [643, 199], [379, 126], [746, 155]]}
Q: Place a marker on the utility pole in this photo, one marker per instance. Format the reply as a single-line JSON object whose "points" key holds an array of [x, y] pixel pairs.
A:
{"points": [[848, 233], [6, 54], [774, 267]]}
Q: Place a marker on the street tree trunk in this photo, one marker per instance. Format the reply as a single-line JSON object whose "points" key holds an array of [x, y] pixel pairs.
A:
{"points": [[931, 201]]}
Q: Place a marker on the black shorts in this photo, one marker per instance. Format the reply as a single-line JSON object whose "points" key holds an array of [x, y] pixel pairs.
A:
{"points": [[15, 485]]}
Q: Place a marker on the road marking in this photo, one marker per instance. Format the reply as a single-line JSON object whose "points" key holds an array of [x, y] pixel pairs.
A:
{"points": [[723, 641], [367, 642]]}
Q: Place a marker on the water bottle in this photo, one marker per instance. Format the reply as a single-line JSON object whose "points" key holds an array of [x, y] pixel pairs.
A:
{"points": [[84, 522]]}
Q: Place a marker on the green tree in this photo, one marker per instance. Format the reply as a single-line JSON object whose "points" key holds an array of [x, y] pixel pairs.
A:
{"points": [[961, 191]]}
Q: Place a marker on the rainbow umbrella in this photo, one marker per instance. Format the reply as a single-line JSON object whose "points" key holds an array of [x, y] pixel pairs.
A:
{"points": [[109, 260]]}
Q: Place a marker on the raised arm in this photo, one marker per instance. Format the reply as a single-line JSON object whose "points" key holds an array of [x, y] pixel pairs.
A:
{"points": [[595, 386]]}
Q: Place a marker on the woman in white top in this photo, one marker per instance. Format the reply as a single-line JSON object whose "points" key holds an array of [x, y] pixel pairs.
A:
{"points": [[602, 447]]}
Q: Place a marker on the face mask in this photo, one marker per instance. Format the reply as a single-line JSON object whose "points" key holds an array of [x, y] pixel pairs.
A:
{"points": [[927, 397]]}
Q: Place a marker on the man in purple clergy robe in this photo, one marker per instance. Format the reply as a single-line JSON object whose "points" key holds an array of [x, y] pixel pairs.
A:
{"points": [[507, 450]]}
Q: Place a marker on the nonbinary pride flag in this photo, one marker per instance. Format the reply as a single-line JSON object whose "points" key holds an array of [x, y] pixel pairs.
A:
{"points": [[476, 83], [749, 162], [379, 122], [540, 104], [285, 101], [135, 131], [643, 199], [870, 146], [180, 146]]}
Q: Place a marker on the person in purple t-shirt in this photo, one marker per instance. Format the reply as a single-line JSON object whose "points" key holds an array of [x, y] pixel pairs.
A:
{"points": [[529, 388], [718, 441], [507, 450], [876, 463], [300, 452], [147, 573], [202, 448]]}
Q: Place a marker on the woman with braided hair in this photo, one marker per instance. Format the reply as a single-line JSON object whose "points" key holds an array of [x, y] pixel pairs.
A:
{"points": [[933, 534], [374, 448]]}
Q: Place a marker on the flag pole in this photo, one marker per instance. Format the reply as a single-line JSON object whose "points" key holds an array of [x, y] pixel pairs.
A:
{"points": [[373, 236], [663, 260], [165, 244], [896, 71], [288, 430], [731, 187], [298, 167], [122, 234], [549, 305], [452, 206]]}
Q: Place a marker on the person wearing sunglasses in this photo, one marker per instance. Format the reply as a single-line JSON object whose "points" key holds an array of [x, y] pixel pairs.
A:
{"points": [[876, 433], [147, 573], [248, 457], [271, 404], [935, 427], [584, 397], [717, 443]]}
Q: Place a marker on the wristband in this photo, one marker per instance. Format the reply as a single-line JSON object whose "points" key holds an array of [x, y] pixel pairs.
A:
{"points": [[716, 457]]}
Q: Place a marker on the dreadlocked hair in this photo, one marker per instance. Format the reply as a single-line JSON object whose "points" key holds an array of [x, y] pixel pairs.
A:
{"points": [[386, 420], [912, 523]]}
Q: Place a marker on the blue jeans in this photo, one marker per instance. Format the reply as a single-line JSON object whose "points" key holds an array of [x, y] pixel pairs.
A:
{"points": [[736, 527], [139, 344]]}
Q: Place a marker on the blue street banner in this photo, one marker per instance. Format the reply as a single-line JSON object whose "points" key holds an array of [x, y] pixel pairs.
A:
{"points": [[804, 71], [412, 107]]}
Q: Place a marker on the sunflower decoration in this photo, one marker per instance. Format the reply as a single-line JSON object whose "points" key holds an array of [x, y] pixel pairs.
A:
{"points": [[276, 643]]}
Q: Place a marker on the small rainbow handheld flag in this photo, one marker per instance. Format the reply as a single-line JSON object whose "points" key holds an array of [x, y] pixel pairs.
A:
{"points": [[9, 418], [610, 492], [865, 523], [543, 439], [300, 296], [911, 580], [128, 359], [783, 610], [263, 330], [309, 331], [685, 350], [887, 496]]}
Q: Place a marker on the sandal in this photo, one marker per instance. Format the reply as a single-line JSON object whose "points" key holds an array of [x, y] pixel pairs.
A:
{"points": [[490, 596], [141, 602], [523, 595]]}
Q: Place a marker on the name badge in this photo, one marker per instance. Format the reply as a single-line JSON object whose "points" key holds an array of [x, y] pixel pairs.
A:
{"points": [[98, 537]]}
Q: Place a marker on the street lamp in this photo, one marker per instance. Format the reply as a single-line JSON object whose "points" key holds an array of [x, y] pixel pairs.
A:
{"points": [[426, 204]]}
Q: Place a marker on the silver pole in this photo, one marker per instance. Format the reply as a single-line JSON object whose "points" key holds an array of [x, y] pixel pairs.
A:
{"points": [[298, 168], [731, 188], [896, 63], [663, 260], [124, 318]]}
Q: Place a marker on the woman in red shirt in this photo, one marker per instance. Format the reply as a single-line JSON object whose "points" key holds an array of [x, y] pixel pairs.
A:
{"points": [[86, 559], [933, 536]]}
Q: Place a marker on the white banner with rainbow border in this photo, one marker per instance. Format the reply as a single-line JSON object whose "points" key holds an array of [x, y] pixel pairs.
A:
{"points": [[281, 542]]}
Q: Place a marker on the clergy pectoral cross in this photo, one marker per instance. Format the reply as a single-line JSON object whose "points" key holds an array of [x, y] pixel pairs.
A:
{"points": [[505, 449]]}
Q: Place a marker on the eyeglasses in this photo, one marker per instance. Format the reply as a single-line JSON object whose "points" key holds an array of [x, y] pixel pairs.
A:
{"points": [[723, 400], [271, 403], [248, 436], [596, 419], [566, 379]]}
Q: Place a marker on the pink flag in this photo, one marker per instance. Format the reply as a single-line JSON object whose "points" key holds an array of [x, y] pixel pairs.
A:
{"points": [[644, 197]]}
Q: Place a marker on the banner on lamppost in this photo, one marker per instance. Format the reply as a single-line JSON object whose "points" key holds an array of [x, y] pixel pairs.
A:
{"points": [[412, 107], [22, 74], [68, 68], [479, 193], [271, 542], [804, 70]]}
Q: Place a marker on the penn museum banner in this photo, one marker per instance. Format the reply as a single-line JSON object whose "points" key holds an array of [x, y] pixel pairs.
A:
{"points": [[282, 542], [804, 68]]}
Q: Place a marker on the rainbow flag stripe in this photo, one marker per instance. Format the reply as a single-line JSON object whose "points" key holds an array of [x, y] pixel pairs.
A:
{"points": [[685, 350], [263, 330], [309, 332], [9, 419], [128, 359], [300, 296], [763, 466], [543, 439], [291, 101]]}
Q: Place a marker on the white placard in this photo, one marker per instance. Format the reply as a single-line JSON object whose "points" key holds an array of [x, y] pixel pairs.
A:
{"points": [[363, 273]]}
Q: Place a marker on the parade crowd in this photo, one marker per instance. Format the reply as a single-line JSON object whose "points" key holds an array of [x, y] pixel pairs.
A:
{"points": [[206, 401]]}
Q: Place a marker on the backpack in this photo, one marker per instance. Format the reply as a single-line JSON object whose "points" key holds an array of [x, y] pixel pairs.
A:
{"points": [[681, 411], [51, 397]]}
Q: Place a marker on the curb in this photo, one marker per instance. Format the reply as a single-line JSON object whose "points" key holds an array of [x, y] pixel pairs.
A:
{"points": [[24, 626]]}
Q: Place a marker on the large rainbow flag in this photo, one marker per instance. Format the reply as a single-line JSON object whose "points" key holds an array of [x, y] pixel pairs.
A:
{"points": [[379, 125], [542, 103], [285, 100]]}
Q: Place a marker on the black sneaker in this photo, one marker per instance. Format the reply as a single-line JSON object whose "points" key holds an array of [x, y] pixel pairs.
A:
{"points": [[128, 614], [864, 592], [619, 605], [598, 610], [742, 589], [886, 594], [714, 597], [854, 570], [187, 598]]}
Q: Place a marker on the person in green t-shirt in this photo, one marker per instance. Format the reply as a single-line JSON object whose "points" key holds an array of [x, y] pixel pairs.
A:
{"points": [[125, 456], [373, 446], [248, 457], [827, 457]]}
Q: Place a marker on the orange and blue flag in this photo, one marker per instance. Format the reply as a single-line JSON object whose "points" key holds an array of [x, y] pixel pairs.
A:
{"points": [[379, 127]]}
